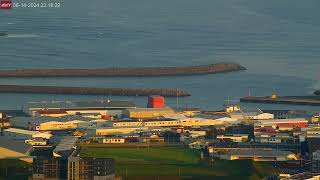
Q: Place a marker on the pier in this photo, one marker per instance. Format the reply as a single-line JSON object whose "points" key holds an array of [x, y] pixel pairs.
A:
{"points": [[296, 100], [93, 91], [125, 71], [317, 92]]}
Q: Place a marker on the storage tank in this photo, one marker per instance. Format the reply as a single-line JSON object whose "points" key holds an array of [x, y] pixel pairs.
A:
{"points": [[156, 102]]}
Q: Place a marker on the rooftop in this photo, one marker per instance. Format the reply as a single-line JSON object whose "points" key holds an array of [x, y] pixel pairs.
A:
{"points": [[79, 104], [45, 119], [21, 131], [264, 153], [282, 120], [14, 145], [150, 109], [67, 143]]}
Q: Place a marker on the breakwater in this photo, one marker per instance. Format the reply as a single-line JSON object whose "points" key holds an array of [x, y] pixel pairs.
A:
{"points": [[296, 100], [124, 72], [93, 91]]}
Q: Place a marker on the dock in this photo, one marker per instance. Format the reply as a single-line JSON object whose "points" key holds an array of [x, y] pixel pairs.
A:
{"points": [[167, 92], [295, 100], [125, 71]]}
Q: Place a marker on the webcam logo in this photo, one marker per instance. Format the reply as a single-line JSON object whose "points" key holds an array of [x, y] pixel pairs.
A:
{"points": [[5, 4]]}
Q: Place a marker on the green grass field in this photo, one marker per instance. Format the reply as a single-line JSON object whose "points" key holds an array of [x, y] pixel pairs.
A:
{"points": [[176, 163]]}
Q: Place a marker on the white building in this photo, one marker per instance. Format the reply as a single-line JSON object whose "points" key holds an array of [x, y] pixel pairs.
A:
{"points": [[47, 123], [118, 130], [251, 115], [234, 137], [113, 140], [187, 122], [36, 142]]}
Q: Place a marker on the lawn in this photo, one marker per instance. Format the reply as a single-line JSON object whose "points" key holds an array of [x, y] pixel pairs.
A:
{"points": [[176, 163], [159, 155]]}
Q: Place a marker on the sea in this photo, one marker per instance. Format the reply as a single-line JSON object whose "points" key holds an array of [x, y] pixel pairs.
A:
{"points": [[278, 41]]}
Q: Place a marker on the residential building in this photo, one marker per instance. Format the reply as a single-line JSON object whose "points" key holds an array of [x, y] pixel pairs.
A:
{"points": [[49, 168], [315, 160], [89, 168]]}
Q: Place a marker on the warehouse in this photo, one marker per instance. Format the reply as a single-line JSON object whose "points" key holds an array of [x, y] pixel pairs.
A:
{"points": [[259, 155], [274, 123], [118, 130], [251, 115], [147, 113], [234, 137], [10, 148], [174, 123], [22, 134], [32, 107], [65, 147], [46, 123]]}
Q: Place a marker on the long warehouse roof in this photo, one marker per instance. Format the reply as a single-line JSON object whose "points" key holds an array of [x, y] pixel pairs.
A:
{"points": [[79, 104]]}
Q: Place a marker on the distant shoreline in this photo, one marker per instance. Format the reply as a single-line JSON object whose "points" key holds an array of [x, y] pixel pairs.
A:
{"points": [[126, 72], [168, 92], [295, 100]]}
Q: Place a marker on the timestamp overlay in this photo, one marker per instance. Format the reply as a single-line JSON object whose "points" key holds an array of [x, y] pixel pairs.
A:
{"points": [[34, 4]]}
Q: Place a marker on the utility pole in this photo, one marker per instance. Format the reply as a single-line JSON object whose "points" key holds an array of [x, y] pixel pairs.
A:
{"points": [[177, 98]]}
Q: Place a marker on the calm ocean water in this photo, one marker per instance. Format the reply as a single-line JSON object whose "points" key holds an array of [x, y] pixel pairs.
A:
{"points": [[278, 41]]}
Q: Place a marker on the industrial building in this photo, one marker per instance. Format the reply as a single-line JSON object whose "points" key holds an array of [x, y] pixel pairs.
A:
{"points": [[147, 113], [251, 115], [274, 123], [174, 123], [47, 123], [259, 155], [234, 137], [17, 149], [22, 134], [275, 138], [151, 139], [4, 121], [66, 146], [35, 142], [33, 107], [117, 130], [156, 102]]}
